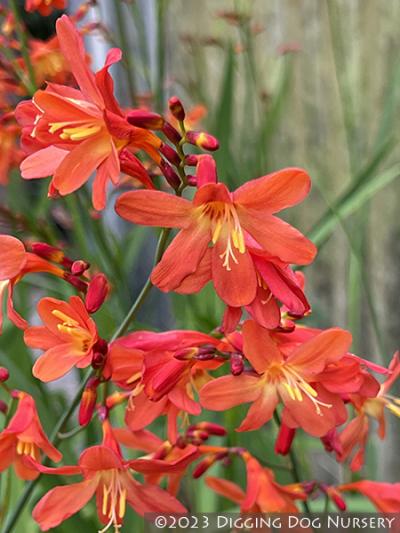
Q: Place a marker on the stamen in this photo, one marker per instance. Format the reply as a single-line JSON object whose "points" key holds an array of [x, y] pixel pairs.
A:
{"points": [[67, 320]]}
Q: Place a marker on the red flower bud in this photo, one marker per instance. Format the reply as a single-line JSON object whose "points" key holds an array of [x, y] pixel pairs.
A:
{"points": [[203, 140], [176, 108], [171, 133], [4, 374], [191, 160], [284, 440], [212, 429], [170, 175], [170, 154], [145, 119], [97, 292], [51, 253], [192, 180], [203, 466], [163, 451], [76, 282], [185, 354], [237, 364], [79, 267], [88, 401], [3, 407]]}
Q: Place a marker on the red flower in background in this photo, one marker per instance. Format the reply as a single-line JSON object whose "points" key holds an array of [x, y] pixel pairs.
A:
{"points": [[68, 336], [24, 436], [223, 219], [73, 133], [295, 380], [45, 7], [385, 496], [108, 476]]}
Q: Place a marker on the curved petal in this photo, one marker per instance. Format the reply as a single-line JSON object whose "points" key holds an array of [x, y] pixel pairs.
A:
{"points": [[226, 488], [97, 458], [55, 363], [40, 337], [154, 208], [259, 347], [13, 257], [152, 499], [264, 309], [144, 412], [277, 237], [42, 163], [206, 170], [195, 282], [62, 502], [274, 192], [229, 391], [73, 50], [105, 82], [261, 411]]}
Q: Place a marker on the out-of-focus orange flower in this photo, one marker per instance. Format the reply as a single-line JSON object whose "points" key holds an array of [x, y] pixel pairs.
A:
{"points": [[45, 7], [294, 379], [11, 155], [385, 496], [24, 436], [223, 219], [263, 493], [68, 336], [108, 476], [16, 262], [48, 61], [72, 133]]}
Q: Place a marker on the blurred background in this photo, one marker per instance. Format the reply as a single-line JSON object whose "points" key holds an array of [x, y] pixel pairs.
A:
{"points": [[310, 83]]}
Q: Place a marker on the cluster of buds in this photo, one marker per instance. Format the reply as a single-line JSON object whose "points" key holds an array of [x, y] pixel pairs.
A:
{"points": [[216, 454], [197, 434]]}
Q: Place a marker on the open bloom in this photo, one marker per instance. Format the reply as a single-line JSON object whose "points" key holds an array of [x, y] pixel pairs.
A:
{"points": [[295, 380], [24, 436], [384, 496], [110, 478], [263, 493], [16, 262], [68, 336], [45, 7], [73, 133], [214, 227]]}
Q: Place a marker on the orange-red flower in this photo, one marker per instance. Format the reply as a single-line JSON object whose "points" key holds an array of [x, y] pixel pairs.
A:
{"points": [[73, 133], [294, 379], [68, 336], [45, 7], [385, 496], [263, 494], [16, 262], [11, 155], [108, 476], [24, 436], [223, 220]]}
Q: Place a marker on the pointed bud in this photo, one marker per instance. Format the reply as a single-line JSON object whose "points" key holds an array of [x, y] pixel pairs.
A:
{"points": [[170, 175], [76, 282], [176, 108], [170, 154], [171, 133], [88, 401], [284, 440], [212, 429], [237, 364], [97, 292], [186, 354], [3, 407], [191, 160], [163, 451], [334, 495], [4, 374], [203, 466], [191, 180], [116, 399], [145, 119], [203, 140], [79, 267], [51, 253]]}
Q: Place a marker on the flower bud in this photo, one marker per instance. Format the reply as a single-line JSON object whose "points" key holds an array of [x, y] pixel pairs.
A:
{"points": [[76, 282], [335, 496], [203, 140], [191, 160], [171, 133], [191, 180], [170, 154], [116, 398], [284, 440], [88, 401], [79, 267], [212, 429], [51, 253], [4, 374], [203, 466], [3, 407], [163, 451], [97, 292], [170, 175], [145, 119], [176, 108], [186, 354], [237, 364]]}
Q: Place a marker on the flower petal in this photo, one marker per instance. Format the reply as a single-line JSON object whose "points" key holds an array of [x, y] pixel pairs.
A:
{"points": [[42, 163], [152, 499], [226, 488], [55, 363], [13, 257], [228, 391], [261, 411], [259, 347]]}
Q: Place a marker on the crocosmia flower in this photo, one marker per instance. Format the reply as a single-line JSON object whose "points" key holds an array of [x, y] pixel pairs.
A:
{"points": [[45, 7], [295, 380], [68, 336], [24, 436], [73, 133], [214, 228]]}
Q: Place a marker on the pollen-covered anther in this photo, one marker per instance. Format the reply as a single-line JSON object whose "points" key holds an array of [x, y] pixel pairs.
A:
{"points": [[296, 387], [114, 500], [75, 133]]}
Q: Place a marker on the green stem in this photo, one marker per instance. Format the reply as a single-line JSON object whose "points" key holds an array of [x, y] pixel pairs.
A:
{"points": [[126, 50], [24, 46], [57, 435]]}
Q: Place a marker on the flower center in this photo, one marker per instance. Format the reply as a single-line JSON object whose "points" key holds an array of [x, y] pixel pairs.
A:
{"points": [[77, 130], [296, 386], [225, 224], [79, 336], [114, 499], [28, 448], [392, 403]]}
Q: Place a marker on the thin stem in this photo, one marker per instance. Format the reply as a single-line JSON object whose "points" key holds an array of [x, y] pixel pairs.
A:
{"points": [[126, 50], [55, 436], [24, 46], [295, 470]]}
